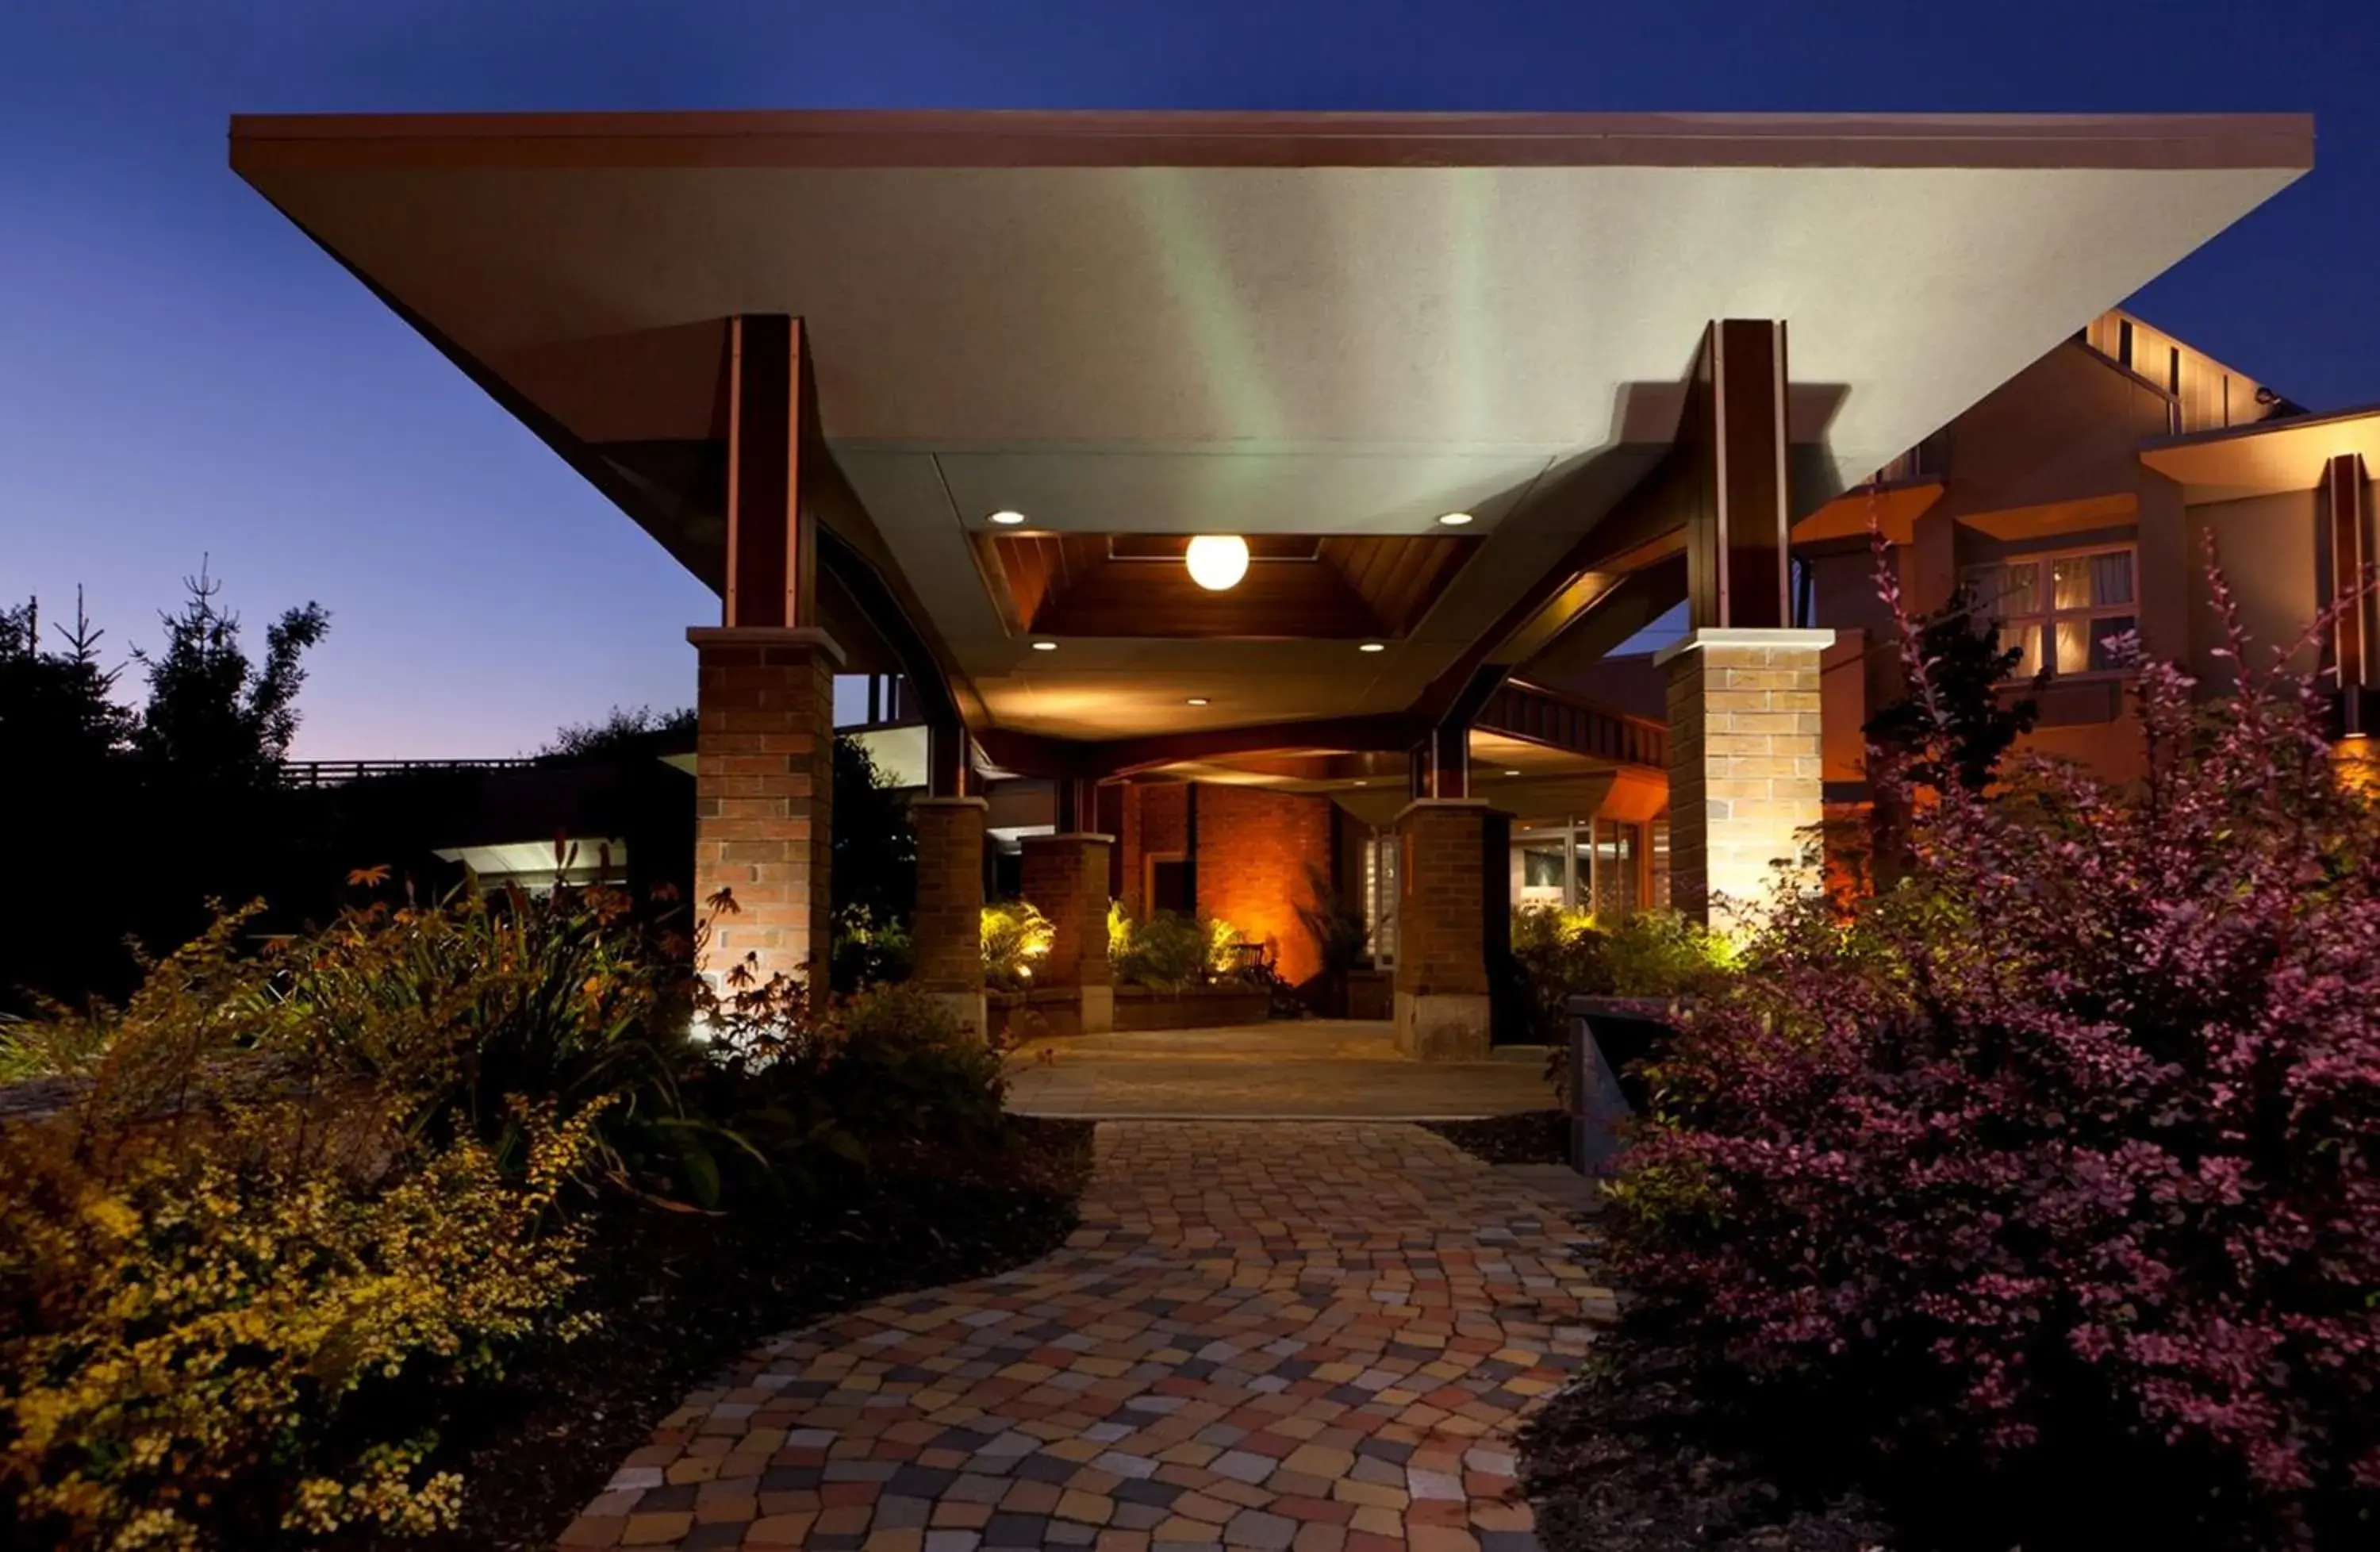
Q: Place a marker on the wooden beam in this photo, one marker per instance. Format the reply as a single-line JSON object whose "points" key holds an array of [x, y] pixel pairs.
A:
{"points": [[772, 545], [1734, 436], [2348, 520]]}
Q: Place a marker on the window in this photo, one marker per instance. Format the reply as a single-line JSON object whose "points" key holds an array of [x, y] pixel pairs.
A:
{"points": [[2061, 612]]}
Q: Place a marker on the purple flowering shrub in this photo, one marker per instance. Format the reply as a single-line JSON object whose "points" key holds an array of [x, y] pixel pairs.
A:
{"points": [[2066, 1141]]}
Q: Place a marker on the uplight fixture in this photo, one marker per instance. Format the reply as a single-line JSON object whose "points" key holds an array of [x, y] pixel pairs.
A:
{"points": [[1045, 646], [1453, 519], [1372, 647], [1216, 561], [1009, 519]]}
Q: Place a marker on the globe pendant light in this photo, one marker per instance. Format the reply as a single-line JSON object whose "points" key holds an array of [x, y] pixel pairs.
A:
{"points": [[1216, 560]]}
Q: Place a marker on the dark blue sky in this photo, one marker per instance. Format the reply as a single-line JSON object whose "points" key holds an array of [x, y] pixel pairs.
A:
{"points": [[182, 373]]}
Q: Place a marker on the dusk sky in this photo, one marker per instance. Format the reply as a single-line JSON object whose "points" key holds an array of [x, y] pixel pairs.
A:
{"points": [[183, 374]]}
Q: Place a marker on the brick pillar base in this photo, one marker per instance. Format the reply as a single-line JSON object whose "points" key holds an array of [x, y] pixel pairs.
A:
{"points": [[1441, 975], [764, 797], [1745, 778], [946, 934], [1066, 878]]}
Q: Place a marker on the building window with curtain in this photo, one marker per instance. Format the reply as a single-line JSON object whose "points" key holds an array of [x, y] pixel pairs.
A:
{"points": [[2065, 614]]}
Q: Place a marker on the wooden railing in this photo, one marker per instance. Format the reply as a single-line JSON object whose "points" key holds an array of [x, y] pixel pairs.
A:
{"points": [[1581, 727], [339, 773]]}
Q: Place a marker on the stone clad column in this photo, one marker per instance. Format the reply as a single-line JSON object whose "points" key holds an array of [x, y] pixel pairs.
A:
{"points": [[764, 796], [1066, 878], [946, 932], [1442, 971], [1746, 768]]}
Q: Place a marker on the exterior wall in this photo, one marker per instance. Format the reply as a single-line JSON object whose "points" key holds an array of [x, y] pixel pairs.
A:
{"points": [[2065, 429], [1156, 820], [1255, 846], [764, 795], [2271, 549]]}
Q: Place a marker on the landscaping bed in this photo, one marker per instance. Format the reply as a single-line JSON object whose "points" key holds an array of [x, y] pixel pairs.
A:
{"points": [[681, 1295], [1527, 1137]]}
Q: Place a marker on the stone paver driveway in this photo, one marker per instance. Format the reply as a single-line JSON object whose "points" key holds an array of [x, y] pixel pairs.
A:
{"points": [[1318, 1337]]}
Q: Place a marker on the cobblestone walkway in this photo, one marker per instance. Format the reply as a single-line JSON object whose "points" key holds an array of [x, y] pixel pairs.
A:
{"points": [[1319, 1337]]}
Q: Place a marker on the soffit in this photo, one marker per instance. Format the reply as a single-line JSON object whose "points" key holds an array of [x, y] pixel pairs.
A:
{"points": [[2266, 459]]}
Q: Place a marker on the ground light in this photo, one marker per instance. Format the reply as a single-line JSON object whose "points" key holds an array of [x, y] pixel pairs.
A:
{"points": [[1216, 560]]}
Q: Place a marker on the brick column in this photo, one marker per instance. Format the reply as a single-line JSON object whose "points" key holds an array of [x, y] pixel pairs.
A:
{"points": [[1066, 879], [1745, 769], [946, 934], [1441, 973], [764, 795]]}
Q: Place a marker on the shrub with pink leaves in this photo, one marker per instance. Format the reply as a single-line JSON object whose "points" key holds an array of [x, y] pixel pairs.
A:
{"points": [[2065, 1143]]}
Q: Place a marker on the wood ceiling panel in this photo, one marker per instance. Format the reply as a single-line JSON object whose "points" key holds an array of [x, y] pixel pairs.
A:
{"points": [[1298, 587]]}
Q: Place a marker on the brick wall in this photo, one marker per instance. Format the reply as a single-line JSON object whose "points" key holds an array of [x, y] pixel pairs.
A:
{"points": [[1155, 818], [1254, 848], [764, 792], [946, 930], [1441, 924], [1746, 771], [1066, 876]]}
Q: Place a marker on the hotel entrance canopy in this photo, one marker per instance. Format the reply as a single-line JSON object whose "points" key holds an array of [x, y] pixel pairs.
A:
{"points": [[1324, 332]]}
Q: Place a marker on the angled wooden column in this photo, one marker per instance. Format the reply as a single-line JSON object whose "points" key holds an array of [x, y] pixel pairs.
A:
{"points": [[764, 748], [1745, 730]]}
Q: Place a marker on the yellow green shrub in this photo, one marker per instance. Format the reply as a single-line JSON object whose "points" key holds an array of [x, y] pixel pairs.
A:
{"points": [[204, 1313], [236, 1282]]}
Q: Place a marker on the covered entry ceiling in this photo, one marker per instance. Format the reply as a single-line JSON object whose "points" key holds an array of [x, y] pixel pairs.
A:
{"points": [[1266, 324]]}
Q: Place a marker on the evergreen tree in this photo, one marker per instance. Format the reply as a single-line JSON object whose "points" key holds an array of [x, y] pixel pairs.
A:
{"points": [[215, 720], [58, 708]]}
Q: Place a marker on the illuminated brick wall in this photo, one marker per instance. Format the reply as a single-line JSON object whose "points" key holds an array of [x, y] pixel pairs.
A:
{"points": [[1155, 818], [1254, 848]]}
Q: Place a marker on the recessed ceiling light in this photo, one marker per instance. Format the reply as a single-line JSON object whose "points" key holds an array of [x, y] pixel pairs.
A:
{"points": [[1008, 519], [1045, 646], [1512, 773], [1372, 647], [1453, 519], [1361, 782]]}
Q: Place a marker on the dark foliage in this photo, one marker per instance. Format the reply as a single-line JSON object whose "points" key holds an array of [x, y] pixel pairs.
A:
{"points": [[1961, 726], [2053, 1163], [622, 732], [124, 826]]}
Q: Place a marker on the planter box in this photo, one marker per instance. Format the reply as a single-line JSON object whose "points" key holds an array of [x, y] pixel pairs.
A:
{"points": [[1019, 1015], [1609, 1036], [1192, 1008]]}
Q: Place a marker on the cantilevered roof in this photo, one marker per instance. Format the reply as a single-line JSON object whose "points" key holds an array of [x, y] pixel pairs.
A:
{"points": [[1266, 323]]}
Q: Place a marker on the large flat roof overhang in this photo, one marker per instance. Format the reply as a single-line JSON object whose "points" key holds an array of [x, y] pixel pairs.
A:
{"points": [[1270, 323]]}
